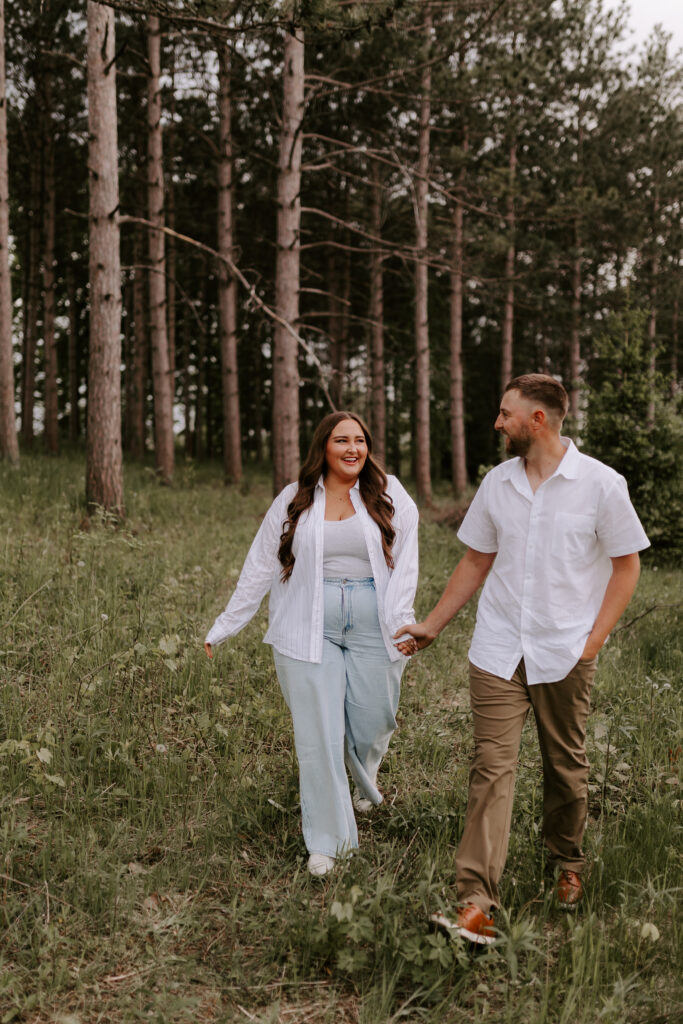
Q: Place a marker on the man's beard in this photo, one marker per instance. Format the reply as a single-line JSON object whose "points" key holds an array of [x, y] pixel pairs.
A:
{"points": [[519, 445]]}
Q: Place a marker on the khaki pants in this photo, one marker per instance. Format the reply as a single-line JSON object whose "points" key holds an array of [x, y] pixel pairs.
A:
{"points": [[500, 707]]}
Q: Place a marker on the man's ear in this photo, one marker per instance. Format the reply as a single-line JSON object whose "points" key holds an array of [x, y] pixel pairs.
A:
{"points": [[538, 418]]}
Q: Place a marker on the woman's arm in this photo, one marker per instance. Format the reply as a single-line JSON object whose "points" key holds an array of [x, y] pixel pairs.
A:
{"points": [[260, 569], [400, 593]]}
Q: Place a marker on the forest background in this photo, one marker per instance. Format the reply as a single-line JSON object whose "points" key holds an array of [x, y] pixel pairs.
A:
{"points": [[268, 210], [258, 211]]}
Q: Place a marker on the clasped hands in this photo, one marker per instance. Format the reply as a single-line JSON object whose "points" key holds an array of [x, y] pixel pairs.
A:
{"points": [[418, 638]]}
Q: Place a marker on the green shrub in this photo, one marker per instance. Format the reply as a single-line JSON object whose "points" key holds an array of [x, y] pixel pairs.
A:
{"points": [[634, 424]]}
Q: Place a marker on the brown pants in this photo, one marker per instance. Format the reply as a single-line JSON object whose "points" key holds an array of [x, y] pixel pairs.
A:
{"points": [[500, 707]]}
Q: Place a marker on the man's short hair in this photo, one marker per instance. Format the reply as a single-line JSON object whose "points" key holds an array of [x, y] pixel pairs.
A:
{"points": [[540, 387]]}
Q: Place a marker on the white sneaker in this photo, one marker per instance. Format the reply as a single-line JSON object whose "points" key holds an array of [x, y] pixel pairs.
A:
{"points": [[361, 803], [320, 864]]}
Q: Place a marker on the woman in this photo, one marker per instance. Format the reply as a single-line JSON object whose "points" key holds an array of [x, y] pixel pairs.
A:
{"points": [[338, 553]]}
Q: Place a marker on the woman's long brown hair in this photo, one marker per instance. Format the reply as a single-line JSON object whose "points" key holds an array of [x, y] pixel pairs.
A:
{"points": [[372, 483]]}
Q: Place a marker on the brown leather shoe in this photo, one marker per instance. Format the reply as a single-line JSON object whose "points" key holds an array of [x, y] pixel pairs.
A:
{"points": [[470, 923], [568, 890]]}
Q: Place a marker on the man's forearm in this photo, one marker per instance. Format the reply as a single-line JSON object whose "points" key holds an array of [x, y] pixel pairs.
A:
{"points": [[625, 573], [467, 577]]}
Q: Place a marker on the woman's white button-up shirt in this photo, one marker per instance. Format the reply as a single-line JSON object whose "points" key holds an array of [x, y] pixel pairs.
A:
{"points": [[296, 607]]}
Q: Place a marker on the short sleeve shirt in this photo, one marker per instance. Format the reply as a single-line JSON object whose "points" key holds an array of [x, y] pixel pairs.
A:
{"points": [[552, 566]]}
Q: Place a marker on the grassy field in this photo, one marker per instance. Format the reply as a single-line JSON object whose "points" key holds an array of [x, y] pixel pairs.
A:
{"points": [[151, 862]]}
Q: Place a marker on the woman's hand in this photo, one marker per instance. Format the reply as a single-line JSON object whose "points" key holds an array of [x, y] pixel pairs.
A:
{"points": [[419, 637], [209, 651]]}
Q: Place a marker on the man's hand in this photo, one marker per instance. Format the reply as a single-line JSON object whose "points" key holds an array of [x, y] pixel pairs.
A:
{"points": [[209, 652], [421, 638]]}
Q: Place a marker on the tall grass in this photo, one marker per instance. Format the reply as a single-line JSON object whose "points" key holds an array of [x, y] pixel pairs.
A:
{"points": [[152, 866]]}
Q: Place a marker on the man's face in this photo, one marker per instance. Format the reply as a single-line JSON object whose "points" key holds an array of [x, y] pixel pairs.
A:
{"points": [[514, 423]]}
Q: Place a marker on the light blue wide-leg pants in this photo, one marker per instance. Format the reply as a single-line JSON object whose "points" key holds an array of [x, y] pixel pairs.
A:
{"points": [[343, 711]]}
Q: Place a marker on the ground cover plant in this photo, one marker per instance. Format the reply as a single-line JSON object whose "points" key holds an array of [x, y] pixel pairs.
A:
{"points": [[151, 864]]}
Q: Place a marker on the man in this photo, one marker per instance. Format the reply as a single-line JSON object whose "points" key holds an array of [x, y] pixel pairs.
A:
{"points": [[555, 536]]}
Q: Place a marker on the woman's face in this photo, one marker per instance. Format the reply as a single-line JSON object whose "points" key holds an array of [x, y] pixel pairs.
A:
{"points": [[346, 451]]}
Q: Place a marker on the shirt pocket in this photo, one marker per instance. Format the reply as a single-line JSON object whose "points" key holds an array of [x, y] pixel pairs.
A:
{"points": [[574, 537]]}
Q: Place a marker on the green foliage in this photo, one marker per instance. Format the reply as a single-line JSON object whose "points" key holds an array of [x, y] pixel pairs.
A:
{"points": [[152, 861], [635, 425]]}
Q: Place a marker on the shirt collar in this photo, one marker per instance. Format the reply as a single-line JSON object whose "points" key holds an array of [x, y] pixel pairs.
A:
{"points": [[321, 483], [569, 466], [513, 469]]}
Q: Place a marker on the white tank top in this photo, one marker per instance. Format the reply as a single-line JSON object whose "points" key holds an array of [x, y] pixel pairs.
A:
{"points": [[345, 552]]}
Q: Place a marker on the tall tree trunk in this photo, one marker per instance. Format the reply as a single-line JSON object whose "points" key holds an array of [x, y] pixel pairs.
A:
{"points": [[28, 379], [285, 362], [74, 381], [128, 357], [161, 373], [674, 346], [9, 445], [50, 340], [170, 240], [139, 364], [104, 463], [652, 321], [509, 308], [256, 382], [200, 439], [339, 278], [378, 407], [575, 338], [458, 454], [187, 391], [577, 284], [227, 286], [423, 474]]}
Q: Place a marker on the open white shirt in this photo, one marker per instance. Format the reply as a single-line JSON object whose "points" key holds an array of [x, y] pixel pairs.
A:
{"points": [[553, 549], [296, 607]]}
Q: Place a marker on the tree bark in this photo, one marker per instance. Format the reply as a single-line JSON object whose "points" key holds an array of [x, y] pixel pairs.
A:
{"points": [[674, 347], [423, 476], [200, 445], [104, 464], [575, 340], [138, 367], [9, 445], [161, 372], [28, 377], [577, 282], [170, 240], [652, 320], [458, 454], [378, 407], [74, 381], [509, 308], [227, 286], [50, 341], [285, 363]]}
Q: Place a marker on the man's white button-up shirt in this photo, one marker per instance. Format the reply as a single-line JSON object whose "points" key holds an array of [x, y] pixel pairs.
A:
{"points": [[296, 607], [553, 549]]}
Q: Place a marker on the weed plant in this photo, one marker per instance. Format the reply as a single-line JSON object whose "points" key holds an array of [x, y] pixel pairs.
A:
{"points": [[152, 866]]}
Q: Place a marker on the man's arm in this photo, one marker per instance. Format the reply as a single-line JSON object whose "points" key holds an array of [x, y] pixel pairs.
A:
{"points": [[625, 573], [468, 575]]}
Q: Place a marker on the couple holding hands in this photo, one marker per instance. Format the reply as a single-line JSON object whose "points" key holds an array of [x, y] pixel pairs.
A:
{"points": [[554, 538]]}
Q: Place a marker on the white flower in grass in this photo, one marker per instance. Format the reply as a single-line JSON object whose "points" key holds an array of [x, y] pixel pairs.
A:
{"points": [[105, 618], [161, 748], [649, 931]]}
